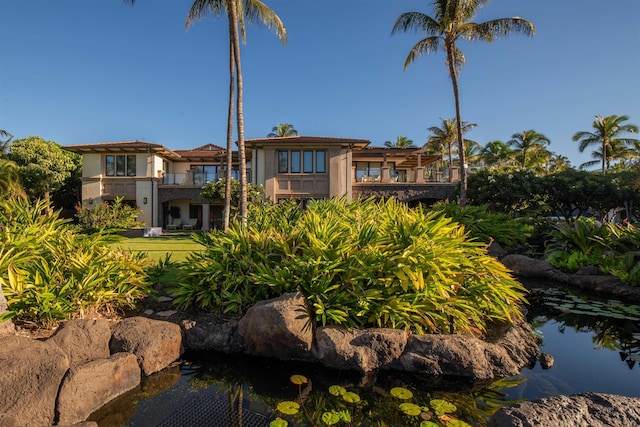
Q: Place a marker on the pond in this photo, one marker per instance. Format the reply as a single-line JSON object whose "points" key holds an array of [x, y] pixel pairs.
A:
{"points": [[595, 343]]}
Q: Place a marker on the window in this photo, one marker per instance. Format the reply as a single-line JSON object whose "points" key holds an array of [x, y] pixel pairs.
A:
{"points": [[293, 162], [120, 165], [366, 171], [205, 173], [307, 162]]}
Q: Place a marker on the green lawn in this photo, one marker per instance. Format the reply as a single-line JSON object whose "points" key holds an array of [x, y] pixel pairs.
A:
{"points": [[158, 247]]}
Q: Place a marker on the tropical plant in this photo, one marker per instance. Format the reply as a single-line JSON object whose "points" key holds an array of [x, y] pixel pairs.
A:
{"points": [[282, 130], [238, 13], [608, 134], [495, 153], [400, 142], [452, 22], [43, 166], [485, 226], [10, 186], [214, 191], [444, 137], [528, 144], [50, 272], [358, 264], [5, 140], [575, 244], [108, 217], [557, 163]]}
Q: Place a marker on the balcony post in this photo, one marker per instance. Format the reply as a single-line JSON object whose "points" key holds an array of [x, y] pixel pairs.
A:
{"points": [[420, 175]]}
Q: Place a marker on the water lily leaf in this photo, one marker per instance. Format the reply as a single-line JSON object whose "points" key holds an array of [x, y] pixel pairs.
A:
{"points": [[330, 418], [337, 390], [410, 409], [299, 379], [278, 422], [288, 407], [442, 406], [345, 416], [401, 393], [429, 424], [351, 397], [457, 423]]}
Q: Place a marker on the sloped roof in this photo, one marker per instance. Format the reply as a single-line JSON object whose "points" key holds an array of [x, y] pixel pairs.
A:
{"points": [[120, 147], [308, 140]]}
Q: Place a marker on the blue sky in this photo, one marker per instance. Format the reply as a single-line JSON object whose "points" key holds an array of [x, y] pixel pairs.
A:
{"points": [[82, 71]]}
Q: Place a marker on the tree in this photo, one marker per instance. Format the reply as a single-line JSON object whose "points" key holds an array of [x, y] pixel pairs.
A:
{"points": [[5, 140], [608, 135], [528, 145], [495, 153], [10, 186], [452, 21], [238, 13], [43, 166], [400, 142], [444, 137], [558, 163], [282, 130]]}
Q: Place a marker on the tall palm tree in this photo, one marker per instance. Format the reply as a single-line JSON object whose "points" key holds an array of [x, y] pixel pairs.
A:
{"points": [[495, 153], [238, 13], [527, 144], [451, 22], [608, 134], [5, 140], [400, 142], [445, 136], [282, 130], [557, 163]]}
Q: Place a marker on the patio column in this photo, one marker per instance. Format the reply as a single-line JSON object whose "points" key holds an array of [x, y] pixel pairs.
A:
{"points": [[385, 173], [205, 216], [420, 174]]}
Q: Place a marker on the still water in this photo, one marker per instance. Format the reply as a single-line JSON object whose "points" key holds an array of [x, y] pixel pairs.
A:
{"points": [[595, 343]]}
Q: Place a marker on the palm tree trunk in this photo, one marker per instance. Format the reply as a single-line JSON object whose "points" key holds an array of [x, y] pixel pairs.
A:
{"points": [[461, 157], [239, 114], [227, 187], [604, 156]]}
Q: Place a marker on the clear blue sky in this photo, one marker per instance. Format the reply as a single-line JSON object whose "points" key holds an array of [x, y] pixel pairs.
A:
{"points": [[82, 71]]}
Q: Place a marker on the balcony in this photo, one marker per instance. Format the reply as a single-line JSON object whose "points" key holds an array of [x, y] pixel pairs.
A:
{"points": [[196, 179]]}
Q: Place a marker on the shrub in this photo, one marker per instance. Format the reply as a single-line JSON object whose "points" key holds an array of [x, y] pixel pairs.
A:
{"points": [[108, 216], [487, 226], [359, 264], [50, 272]]}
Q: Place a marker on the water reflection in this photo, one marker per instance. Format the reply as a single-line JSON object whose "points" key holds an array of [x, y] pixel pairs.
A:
{"points": [[595, 343]]}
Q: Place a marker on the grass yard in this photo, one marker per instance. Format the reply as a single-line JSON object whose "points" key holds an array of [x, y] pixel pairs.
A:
{"points": [[158, 247]]}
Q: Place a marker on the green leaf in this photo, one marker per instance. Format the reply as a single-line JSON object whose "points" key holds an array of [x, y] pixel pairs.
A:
{"points": [[351, 397], [337, 390], [288, 407], [330, 418], [410, 409], [442, 407], [299, 379], [278, 422], [401, 393]]}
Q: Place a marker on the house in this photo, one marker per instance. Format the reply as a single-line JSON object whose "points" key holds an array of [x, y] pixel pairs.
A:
{"points": [[164, 182]]}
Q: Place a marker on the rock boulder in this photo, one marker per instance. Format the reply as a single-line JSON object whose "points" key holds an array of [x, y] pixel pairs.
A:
{"points": [[83, 340]]}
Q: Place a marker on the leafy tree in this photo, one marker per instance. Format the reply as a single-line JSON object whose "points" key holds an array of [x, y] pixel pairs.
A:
{"points": [[400, 142], [452, 22], [282, 130], [558, 163], [608, 134], [215, 192], [5, 140], [496, 153], [43, 166], [528, 146]]}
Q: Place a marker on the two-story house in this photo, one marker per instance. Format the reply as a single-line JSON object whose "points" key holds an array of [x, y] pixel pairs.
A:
{"points": [[161, 181]]}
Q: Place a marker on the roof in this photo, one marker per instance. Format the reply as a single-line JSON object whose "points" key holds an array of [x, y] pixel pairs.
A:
{"points": [[120, 147], [205, 153], [404, 157], [308, 140]]}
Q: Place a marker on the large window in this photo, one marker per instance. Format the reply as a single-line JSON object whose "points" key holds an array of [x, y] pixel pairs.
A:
{"points": [[120, 165], [205, 173], [307, 161]]}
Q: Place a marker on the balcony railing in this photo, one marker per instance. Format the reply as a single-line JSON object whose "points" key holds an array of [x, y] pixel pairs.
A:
{"points": [[196, 178]]}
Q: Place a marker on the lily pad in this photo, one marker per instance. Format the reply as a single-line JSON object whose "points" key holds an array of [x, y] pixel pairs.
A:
{"points": [[457, 423], [330, 418], [410, 409], [442, 406], [337, 390], [351, 397], [401, 393], [429, 424], [299, 379], [288, 407], [278, 422]]}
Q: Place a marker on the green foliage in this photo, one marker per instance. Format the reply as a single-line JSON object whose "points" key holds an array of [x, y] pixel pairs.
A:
{"points": [[50, 272], [486, 226], [43, 165], [623, 253], [516, 193], [359, 264], [214, 191], [108, 216]]}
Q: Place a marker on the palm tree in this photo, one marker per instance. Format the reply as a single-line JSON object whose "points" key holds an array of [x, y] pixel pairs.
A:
{"points": [[557, 163], [452, 21], [400, 142], [495, 153], [238, 12], [282, 130], [444, 137], [527, 145], [608, 134]]}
